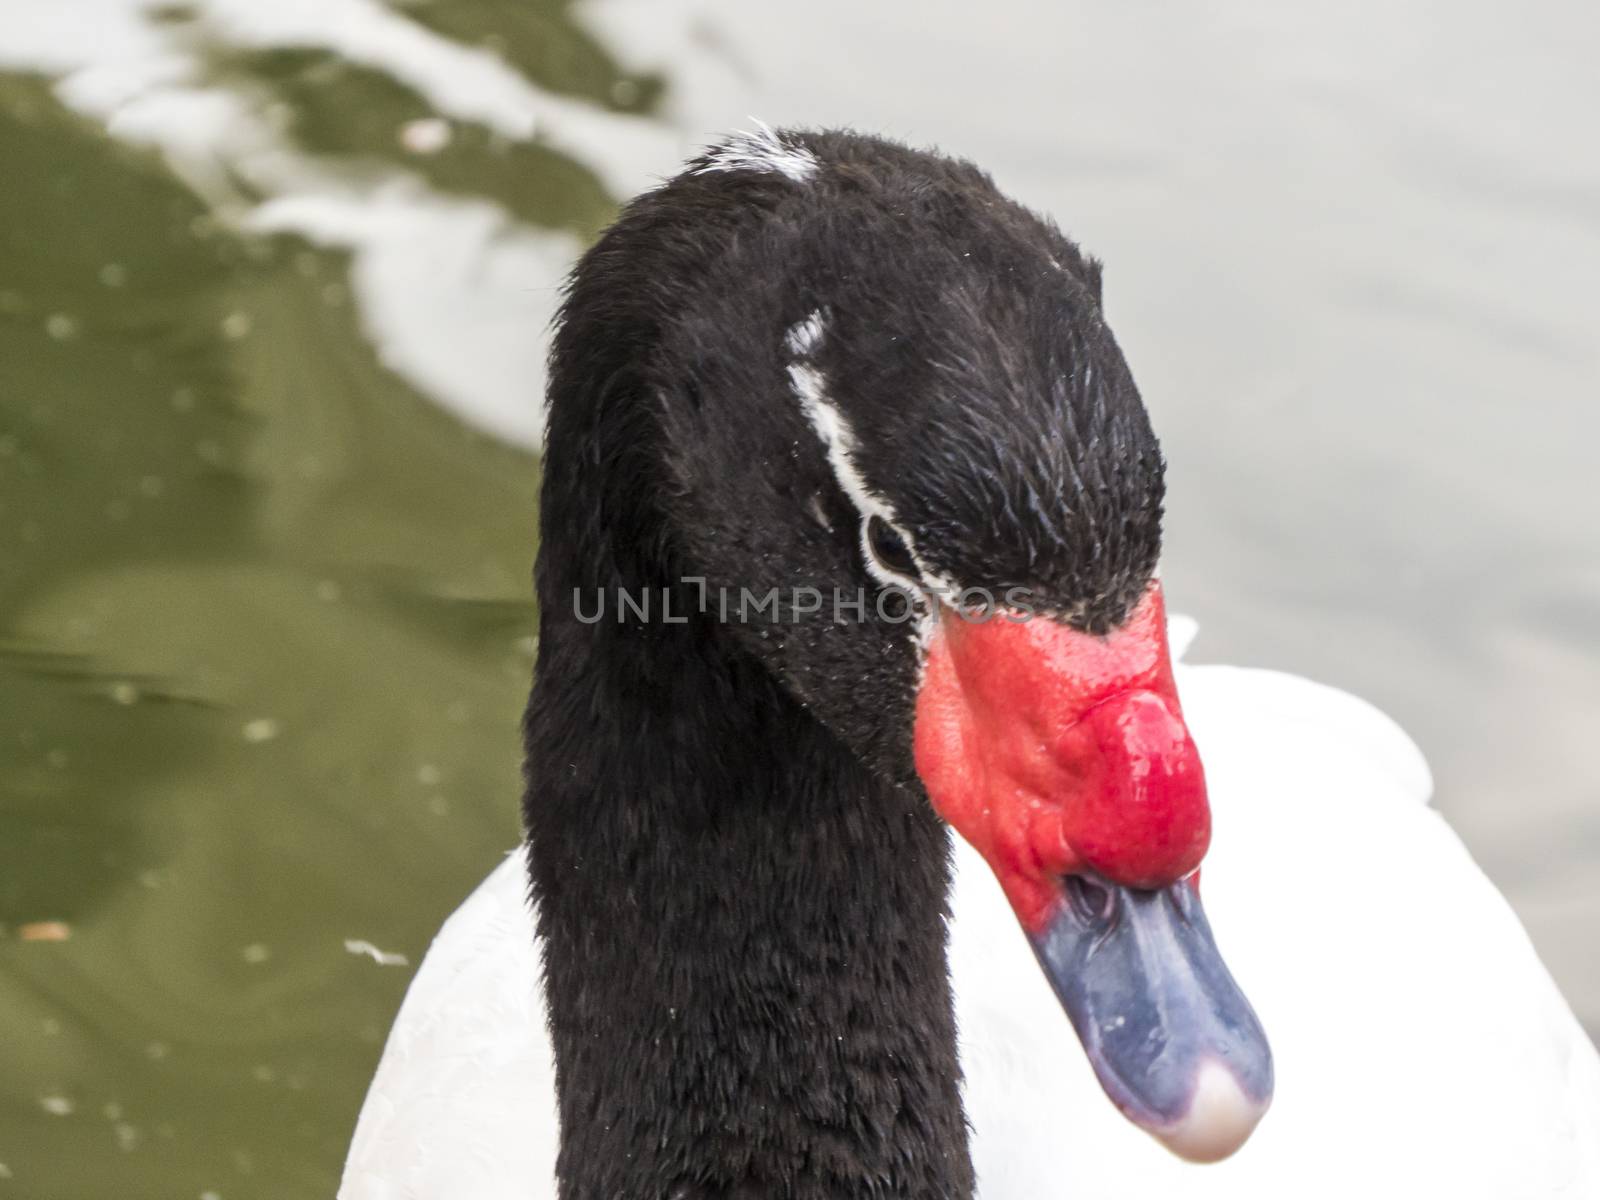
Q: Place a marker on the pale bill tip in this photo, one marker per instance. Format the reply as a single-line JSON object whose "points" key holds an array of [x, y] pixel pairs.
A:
{"points": [[1220, 1118]]}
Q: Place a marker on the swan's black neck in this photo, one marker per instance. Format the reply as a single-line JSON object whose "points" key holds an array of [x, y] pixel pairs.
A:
{"points": [[743, 920], [743, 929], [743, 936]]}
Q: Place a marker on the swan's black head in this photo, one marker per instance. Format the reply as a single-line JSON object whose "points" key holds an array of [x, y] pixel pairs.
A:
{"points": [[820, 372], [885, 336]]}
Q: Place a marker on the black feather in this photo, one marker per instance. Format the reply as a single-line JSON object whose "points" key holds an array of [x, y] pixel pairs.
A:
{"points": [[741, 887]]}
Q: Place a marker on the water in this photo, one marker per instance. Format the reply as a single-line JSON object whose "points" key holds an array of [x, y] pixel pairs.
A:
{"points": [[268, 368]]}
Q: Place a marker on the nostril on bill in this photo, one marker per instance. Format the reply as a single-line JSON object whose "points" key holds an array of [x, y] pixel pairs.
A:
{"points": [[1093, 902]]}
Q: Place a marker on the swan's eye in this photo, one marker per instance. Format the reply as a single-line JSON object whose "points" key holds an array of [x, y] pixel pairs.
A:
{"points": [[888, 548]]}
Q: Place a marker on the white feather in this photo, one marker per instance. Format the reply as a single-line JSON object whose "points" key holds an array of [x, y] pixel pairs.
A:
{"points": [[761, 149], [1422, 1049], [840, 444]]}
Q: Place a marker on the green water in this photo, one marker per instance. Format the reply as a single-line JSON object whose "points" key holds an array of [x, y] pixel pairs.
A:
{"points": [[265, 631]]}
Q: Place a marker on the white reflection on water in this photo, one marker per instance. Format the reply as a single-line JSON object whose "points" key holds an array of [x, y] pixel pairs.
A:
{"points": [[454, 292]]}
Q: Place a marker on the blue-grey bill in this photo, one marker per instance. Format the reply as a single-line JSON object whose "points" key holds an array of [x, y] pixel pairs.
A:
{"points": [[1171, 1037]]}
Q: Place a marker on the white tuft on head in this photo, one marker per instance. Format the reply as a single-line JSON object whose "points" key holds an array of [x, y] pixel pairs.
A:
{"points": [[1219, 1119], [761, 149]]}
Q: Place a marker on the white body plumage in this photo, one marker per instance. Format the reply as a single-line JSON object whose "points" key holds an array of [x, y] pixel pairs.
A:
{"points": [[1422, 1048]]}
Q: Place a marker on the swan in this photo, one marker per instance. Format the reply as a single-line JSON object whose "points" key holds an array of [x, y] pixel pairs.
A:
{"points": [[849, 536]]}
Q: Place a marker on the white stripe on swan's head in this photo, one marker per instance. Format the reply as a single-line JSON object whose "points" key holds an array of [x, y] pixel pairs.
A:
{"points": [[839, 441], [761, 149]]}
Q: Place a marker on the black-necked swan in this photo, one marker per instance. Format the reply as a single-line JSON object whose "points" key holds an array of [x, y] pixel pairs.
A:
{"points": [[850, 523]]}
